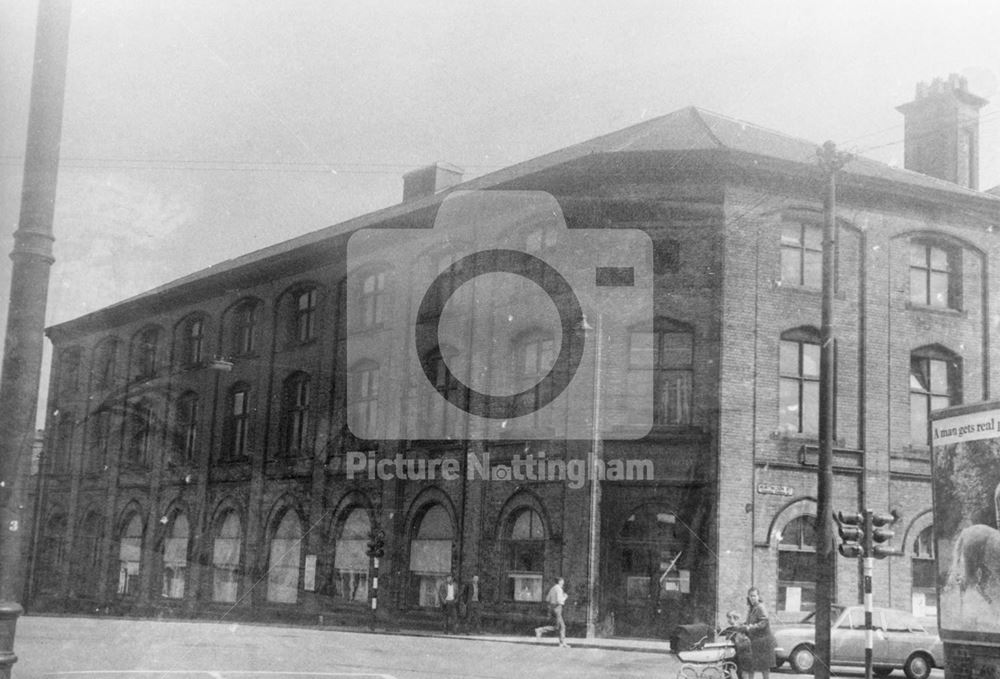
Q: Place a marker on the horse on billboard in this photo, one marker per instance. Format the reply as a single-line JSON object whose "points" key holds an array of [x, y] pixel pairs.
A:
{"points": [[976, 560]]}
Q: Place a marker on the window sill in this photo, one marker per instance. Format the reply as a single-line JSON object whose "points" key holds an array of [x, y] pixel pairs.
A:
{"points": [[942, 311]]}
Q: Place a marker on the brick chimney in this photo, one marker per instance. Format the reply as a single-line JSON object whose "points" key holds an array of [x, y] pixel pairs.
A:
{"points": [[427, 181], [942, 131]]}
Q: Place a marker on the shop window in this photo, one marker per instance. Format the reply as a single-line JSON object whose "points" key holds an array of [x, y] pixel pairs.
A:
{"points": [[283, 565], [923, 572], [129, 557], [525, 556], [226, 548], [350, 560], [797, 565], [650, 557], [175, 558], [430, 555], [935, 382]]}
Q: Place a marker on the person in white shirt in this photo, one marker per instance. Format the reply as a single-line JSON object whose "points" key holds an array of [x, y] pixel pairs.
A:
{"points": [[448, 599], [556, 599]]}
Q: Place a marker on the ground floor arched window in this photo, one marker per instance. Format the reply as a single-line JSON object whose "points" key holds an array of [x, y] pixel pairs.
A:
{"points": [[797, 565], [350, 560], [175, 557], [226, 558], [430, 554], [283, 564], [923, 572], [129, 556], [524, 546]]}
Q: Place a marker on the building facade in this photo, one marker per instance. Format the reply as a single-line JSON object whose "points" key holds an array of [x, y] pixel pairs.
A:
{"points": [[199, 459]]}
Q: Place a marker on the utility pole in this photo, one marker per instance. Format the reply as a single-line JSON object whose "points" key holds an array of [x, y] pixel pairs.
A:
{"points": [[830, 161]]}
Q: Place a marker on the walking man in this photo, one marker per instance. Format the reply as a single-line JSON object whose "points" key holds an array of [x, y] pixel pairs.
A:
{"points": [[473, 613], [556, 599], [448, 599]]}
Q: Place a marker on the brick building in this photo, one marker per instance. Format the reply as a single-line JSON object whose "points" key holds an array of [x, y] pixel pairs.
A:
{"points": [[197, 459]]}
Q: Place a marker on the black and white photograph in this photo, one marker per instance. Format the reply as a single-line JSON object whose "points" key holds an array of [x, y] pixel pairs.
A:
{"points": [[461, 339]]}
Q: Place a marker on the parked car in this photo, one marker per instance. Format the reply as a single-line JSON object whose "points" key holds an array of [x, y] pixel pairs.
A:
{"points": [[898, 640]]}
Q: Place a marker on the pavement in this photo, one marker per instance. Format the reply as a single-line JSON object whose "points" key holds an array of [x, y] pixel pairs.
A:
{"points": [[610, 644]]}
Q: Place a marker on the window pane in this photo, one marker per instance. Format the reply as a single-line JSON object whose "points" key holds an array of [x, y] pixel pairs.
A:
{"points": [[813, 236], [810, 360], [676, 352], [939, 259], [675, 397], [812, 270], [791, 234], [789, 405], [938, 289], [919, 379], [791, 266], [810, 407], [918, 255], [939, 402], [788, 358], [641, 349], [918, 419], [939, 376]]}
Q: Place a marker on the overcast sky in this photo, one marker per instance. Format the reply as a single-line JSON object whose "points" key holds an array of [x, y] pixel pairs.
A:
{"points": [[198, 130]]}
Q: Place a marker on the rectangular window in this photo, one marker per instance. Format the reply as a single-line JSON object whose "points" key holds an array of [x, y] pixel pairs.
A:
{"points": [[932, 276], [240, 422], [670, 352], [933, 385], [372, 293], [798, 387], [802, 255]]}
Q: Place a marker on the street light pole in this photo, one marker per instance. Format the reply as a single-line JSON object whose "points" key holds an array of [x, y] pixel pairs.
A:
{"points": [[830, 162], [594, 456]]}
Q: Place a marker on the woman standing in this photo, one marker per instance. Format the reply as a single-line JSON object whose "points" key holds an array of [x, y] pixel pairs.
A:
{"points": [[758, 628]]}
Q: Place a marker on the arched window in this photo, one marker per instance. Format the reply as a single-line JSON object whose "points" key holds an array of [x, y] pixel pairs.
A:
{"points": [[525, 555], [52, 554], [175, 557], [935, 279], [797, 565], [802, 254], [103, 366], [924, 574], [660, 363], [226, 549], [535, 354], [192, 340], [283, 565], [436, 418], [372, 307], [935, 382], [69, 369], [186, 428], [305, 315], [98, 441], [87, 555], [245, 321], [798, 385], [430, 554], [140, 435], [650, 556], [363, 392], [144, 352], [295, 418], [129, 556], [350, 561], [237, 423]]}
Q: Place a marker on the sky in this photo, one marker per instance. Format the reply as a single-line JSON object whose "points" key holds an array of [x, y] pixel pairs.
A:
{"points": [[195, 131]]}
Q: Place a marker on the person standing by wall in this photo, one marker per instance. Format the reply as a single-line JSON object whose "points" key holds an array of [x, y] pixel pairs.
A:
{"points": [[448, 599], [556, 599], [758, 628], [471, 596]]}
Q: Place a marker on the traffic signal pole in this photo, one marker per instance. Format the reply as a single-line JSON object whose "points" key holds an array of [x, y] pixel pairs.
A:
{"points": [[869, 566]]}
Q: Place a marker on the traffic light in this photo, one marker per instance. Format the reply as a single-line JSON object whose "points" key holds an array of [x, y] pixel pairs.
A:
{"points": [[881, 533], [376, 543], [852, 532]]}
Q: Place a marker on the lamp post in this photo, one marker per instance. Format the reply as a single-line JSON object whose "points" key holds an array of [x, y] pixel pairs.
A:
{"points": [[593, 457]]}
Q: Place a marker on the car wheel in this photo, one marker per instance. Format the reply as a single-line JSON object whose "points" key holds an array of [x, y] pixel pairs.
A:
{"points": [[918, 666], [802, 660], [882, 671]]}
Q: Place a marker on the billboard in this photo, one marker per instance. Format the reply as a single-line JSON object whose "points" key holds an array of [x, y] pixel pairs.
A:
{"points": [[966, 478]]}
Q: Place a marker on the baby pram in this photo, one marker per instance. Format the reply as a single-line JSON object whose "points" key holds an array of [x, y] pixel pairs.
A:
{"points": [[709, 660]]}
